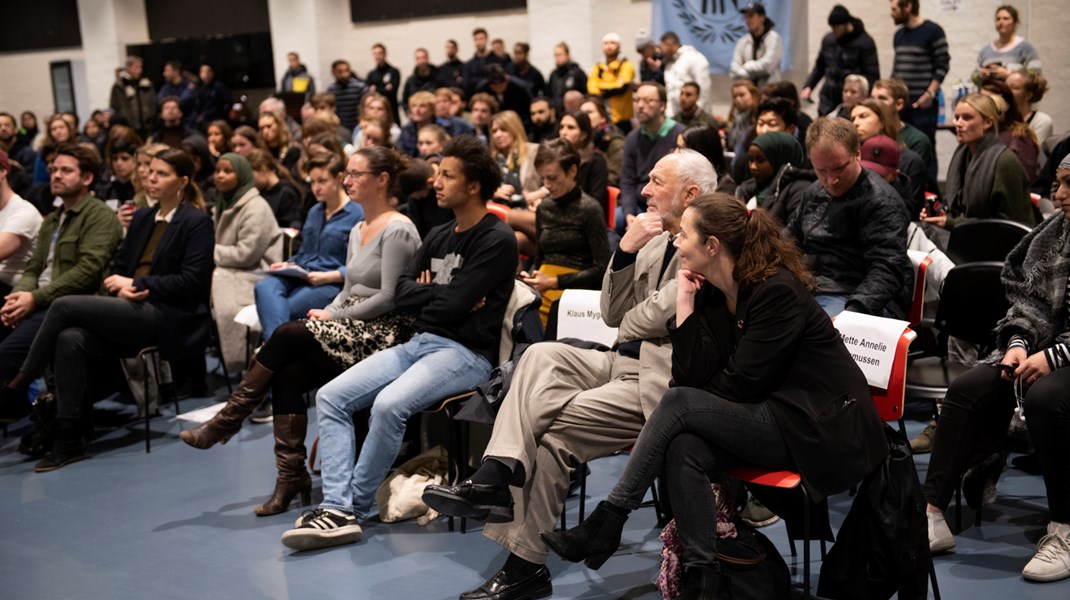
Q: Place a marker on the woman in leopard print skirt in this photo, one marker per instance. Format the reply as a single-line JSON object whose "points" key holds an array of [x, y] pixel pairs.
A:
{"points": [[302, 355]]}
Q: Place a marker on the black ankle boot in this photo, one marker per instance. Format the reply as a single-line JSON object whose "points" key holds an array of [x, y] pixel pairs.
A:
{"points": [[68, 447], [594, 540], [700, 583]]}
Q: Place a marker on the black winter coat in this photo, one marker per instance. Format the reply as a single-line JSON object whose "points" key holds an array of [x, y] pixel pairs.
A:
{"points": [[854, 53]]}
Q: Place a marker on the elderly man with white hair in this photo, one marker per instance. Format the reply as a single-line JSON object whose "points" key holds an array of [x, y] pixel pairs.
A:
{"points": [[567, 405]]}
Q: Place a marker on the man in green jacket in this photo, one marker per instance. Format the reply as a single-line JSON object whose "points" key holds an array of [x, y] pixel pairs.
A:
{"points": [[74, 247]]}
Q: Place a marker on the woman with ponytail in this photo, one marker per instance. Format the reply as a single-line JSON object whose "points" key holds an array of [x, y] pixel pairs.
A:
{"points": [[758, 370], [158, 290]]}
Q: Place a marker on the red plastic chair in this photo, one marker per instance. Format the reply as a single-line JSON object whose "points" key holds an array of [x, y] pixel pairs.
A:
{"points": [[917, 303], [611, 215], [890, 408], [498, 210]]}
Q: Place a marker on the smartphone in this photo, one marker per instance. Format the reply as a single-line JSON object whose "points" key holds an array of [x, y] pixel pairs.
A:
{"points": [[932, 205], [1008, 369]]}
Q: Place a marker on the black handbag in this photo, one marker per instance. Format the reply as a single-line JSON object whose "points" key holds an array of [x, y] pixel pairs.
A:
{"points": [[751, 567]]}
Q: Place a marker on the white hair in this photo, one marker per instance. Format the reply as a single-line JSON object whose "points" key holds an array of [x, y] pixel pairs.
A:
{"points": [[274, 105], [692, 168], [859, 79]]}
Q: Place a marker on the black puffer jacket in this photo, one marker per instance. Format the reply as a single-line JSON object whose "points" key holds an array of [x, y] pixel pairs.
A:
{"points": [[856, 244], [855, 52], [785, 193]]}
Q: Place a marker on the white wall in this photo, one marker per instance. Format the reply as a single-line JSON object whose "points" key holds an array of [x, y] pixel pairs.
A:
{"points": [[26, 80]]}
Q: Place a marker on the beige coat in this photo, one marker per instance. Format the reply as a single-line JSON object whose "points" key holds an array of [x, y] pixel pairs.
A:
{"points": [[634, 303], [247, 238]]}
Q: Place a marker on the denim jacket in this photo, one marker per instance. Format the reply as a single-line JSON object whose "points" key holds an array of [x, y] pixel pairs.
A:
{"points": [[324, 243]]}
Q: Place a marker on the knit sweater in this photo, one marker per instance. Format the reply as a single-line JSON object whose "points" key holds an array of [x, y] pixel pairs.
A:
{"points": [[921, 55], [571, 232]]}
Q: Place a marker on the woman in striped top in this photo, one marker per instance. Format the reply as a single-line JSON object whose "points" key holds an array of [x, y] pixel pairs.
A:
{"points": [[1030, 364]]}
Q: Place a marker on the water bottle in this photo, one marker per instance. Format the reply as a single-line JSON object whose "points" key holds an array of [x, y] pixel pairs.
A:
{"points": [[941, 112]]}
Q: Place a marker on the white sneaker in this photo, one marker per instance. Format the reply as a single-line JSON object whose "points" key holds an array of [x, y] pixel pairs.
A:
{"points": [[1052, 560], [940, 538], [324, 529]]}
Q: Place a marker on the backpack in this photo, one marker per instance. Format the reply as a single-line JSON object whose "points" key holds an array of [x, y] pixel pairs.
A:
{"points": [[883, 544]]}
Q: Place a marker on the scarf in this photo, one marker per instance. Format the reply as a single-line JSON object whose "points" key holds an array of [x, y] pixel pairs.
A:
{"points": [[969, 178], [244, 171], [780, 149]]}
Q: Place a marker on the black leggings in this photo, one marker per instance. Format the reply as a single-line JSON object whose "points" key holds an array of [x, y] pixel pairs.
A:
{"points": [[973, 425], [299, 365]]}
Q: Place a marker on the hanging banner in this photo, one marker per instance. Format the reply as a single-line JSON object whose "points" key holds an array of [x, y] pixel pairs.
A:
{"points": [[714, 26]]}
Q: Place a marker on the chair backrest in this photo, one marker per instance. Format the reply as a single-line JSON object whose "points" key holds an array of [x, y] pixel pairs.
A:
{"points": [[524, 298], [611, 211], [972, 301], [979, 240], [889, 396], [498, 210], [579, 315], [921, 262]]}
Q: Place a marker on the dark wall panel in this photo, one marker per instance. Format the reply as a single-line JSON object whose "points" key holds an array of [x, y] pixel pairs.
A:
{"points": [[39, 25], [170, 19], [362, 11]]}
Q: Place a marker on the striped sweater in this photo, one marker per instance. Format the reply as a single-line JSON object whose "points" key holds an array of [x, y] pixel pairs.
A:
{"points": [[1058, 356], [921, 55]]}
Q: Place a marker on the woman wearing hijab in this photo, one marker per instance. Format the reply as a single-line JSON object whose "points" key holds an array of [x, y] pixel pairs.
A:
{"points": [[778, 178], [247, 239]]}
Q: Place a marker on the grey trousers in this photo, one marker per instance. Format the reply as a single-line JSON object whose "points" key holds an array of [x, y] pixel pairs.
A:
{"points": [[566, 406]]}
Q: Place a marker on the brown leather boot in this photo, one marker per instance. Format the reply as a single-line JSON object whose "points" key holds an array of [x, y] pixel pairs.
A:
{"points": [[293, 478], [227, 422]]}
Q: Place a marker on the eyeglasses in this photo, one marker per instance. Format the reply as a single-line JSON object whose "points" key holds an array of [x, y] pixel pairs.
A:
{"points": [[355, 174]]}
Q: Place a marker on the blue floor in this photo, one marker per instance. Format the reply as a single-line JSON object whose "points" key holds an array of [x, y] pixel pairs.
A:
{"points": [[178, 523]]}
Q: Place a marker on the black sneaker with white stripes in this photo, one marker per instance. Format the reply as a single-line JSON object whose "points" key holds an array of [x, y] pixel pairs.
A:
{"points": [[322, 528]]}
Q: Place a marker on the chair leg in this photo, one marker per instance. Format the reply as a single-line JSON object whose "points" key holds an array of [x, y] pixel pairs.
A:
{"points": [[958, 509], [583, 492], [806, 545], [222, 363], [932, 578], [148, 415]]}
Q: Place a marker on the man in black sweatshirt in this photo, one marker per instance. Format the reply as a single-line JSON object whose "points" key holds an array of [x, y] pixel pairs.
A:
{"points": [[458, 286]]}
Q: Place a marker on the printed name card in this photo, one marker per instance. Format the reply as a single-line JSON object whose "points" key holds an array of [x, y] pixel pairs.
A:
{"points": [[872, 342], [579, 316]]}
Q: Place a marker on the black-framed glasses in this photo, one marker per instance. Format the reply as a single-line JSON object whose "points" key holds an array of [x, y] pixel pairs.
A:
{"points": [[355, 174]]}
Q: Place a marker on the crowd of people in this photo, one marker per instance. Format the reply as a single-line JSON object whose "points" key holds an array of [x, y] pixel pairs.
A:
{"points": [[381, 232]]}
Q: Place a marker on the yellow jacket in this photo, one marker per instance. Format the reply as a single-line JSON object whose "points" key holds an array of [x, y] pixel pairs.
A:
{"points": [[613, 81]]}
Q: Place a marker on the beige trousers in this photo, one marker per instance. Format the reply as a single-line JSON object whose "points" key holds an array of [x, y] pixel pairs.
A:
{"points": [[566, 406]]}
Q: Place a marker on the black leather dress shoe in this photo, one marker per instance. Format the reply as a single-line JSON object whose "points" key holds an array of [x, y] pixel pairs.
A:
{"points": [[489, 503], [499, 587], [13, 405]]}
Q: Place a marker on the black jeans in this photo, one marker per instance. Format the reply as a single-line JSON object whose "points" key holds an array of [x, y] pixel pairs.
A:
{"points": [[299, 365], [15, 343], [973, 424], [694, 434], [76, 327]]}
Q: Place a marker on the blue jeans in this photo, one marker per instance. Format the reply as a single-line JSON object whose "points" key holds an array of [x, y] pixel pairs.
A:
{"points": [[832, 304], [282, 299], [397, 383]]}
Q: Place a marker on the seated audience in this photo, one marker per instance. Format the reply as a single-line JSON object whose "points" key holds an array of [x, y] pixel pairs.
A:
{"points": [[218, 135], [421, 114], [277, 139], [416, 188], [121, 182], [706, 140], [748, 391], [158, 296], [19, 224], [852, 228], [247, 239], [1028, 366], [871, 119], [57, 131], [779, 177], [520, 189], [203, 164], [572, 100], [245, 140], [568, 406], [284, 297], [1013, 131], [690, 111], [172, 129], [570, 229], [543, 124], [510, 92], [66, 261], [1028, 88], [893, 93], [593, 176], [608, 139], [855, 89], [985, 179], [305, 354], [458, 285], [739, 130], [375, 106], [279, 188], [654, 138], [787, 91], [430, 142]]}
